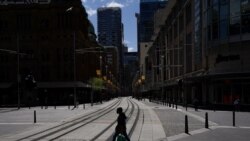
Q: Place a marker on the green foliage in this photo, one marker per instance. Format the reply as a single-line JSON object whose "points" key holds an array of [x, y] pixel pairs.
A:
{"points": [[96, 83]]}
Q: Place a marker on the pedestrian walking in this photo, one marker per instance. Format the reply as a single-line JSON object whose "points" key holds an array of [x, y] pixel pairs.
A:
{"points": [[120, 130]]}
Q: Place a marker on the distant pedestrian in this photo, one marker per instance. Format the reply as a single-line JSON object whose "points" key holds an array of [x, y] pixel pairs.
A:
{"points": [[120, 130]]}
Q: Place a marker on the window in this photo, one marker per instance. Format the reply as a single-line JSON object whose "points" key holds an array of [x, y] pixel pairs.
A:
{"points": [[223, 29], [215, 31], [224, 11], [235, 25], [245, 19], [245, 22], [181, 24], [245, 7], [234, 8], [188, 14], [215, 13]]}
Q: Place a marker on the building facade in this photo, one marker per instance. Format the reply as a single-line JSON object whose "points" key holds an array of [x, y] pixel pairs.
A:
{"points": [[43, 39], [110, 29], [200, 51], [130, 69]]}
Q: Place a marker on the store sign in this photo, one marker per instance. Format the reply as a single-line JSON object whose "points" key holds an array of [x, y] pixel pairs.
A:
{"points": [[7, 2]]}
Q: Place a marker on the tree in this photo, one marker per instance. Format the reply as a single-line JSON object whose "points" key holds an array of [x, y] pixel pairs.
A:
{"points": [[97, 85]]}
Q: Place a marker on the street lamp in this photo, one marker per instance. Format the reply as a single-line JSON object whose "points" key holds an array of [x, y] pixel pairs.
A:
{"points": [[70, 9], [17, 52], [162, 77]]}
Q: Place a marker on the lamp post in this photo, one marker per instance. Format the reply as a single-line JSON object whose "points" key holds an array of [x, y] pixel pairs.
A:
{"points": [[162, 79], [17, 52], [74, 56], [18, 74], [70, 9]]}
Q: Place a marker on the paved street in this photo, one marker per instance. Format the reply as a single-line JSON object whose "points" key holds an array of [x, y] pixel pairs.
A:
{"points": [[220, 122], [13, 122], [155, 122]]}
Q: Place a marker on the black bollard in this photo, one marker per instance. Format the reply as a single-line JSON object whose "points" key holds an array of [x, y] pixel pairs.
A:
{"points": [[55, 106], [35, 116], [69, 107], [186, 124], [176, 106], [206, 121], [233, 117]]}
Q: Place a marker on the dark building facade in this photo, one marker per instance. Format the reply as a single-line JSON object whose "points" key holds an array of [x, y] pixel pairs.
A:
{"points": [[43, 38], [110, 29], [201, 52], [146, 22], [130, 69]]}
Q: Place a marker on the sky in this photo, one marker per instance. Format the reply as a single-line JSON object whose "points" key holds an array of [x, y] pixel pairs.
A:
{"points": [[129, 8]]}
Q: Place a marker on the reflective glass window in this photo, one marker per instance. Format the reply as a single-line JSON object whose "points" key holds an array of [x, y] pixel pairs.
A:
{"points": [[235, 25], [215, 12], [245, 23], [215, 31], [224, 11], [245, 6], [234, 8], [224, 29]]}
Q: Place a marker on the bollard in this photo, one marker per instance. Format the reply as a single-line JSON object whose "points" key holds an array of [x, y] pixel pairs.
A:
{"points": [[83, 105], [233, 117], [186, 124], [69, 107], [55, 106], [176, 106], [35, 116], [206, 120]]}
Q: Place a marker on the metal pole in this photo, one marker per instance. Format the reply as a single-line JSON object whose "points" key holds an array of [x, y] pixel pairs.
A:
{"points": [[35, 116], [100, 76], [233, 117], [18, 73], [206, 120], [162, 79], [186, 124], [74, 56]]}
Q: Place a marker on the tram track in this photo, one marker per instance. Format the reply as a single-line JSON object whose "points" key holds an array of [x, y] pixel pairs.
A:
{"points": [[130, 132], [74, 124], [112, 124]]}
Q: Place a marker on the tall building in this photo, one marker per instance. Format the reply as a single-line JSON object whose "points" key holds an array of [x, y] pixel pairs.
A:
{"points": [[145, 23], [110, 29], [146, 17], [200, 50], [43, 38], [130, 69]]}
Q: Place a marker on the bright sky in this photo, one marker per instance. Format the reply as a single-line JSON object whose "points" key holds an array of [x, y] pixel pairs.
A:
{"points": [[129, 8]]}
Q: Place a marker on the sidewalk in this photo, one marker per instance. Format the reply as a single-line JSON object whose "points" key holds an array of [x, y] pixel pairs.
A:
{"points": [[220, 123], [17, 121]]}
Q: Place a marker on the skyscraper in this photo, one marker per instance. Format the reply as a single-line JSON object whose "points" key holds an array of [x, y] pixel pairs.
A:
{"points": [[146, 23], [110, 28]]}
